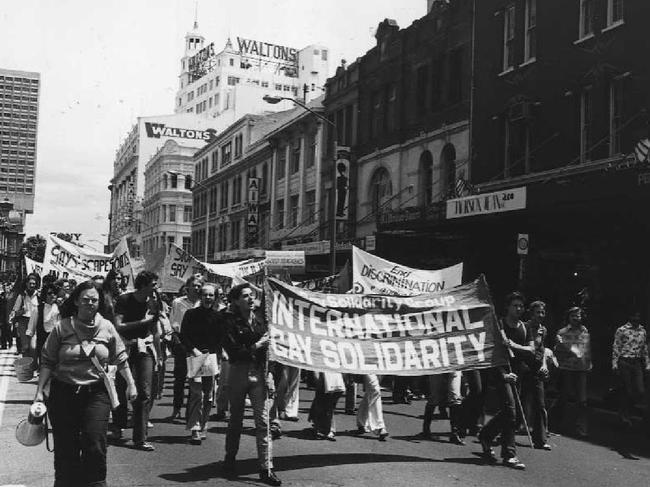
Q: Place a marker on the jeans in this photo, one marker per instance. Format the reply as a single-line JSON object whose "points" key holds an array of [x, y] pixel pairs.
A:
{"points": [[199, 402], [321, 413], [573, 383], [631, 373], [180, 374], [248, 379], [474, 400], [79, 425], [222, 387], [534, 402], [287, 394], [141, 365], [370, 414], [505, 421]]}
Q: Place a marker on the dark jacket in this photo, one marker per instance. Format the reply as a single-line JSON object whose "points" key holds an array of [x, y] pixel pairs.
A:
{"points": [[239, 338], [202, 328]]}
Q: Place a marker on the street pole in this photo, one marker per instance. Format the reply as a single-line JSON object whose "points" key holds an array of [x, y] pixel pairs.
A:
{"points": [[333, 207]]}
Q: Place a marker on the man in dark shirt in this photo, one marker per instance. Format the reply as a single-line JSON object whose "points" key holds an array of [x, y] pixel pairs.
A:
{"points": [[200, 333], [136, 328], [517, 339], [246, 340]]}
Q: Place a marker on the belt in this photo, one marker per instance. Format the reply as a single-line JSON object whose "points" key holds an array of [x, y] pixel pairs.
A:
{"points": [[80, 389]]}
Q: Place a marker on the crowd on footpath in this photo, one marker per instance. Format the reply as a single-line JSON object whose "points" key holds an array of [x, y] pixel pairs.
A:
{"points": [[74, 332]]}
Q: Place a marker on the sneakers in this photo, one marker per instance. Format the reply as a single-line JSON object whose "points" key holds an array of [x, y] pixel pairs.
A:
{"points": [[488, 452], [383, 434], [149, 424], [456, 439], [330, 437], [195, 438], [144, 446], [269, 478], [545, 446], [514, 462]]}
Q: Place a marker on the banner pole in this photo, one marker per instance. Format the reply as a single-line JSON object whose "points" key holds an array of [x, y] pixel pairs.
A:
{"points": [[516, 390], [269, 440]]}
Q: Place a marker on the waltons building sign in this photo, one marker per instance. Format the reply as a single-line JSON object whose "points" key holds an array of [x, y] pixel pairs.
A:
{"points": [[157, 130], [257, 49]]}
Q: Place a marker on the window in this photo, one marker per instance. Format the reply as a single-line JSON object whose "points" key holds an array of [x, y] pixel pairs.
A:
{"points": [[165, 179], [172, 213], [223, 204], [310, 207], [226, 154], [293, 215], [231, 61], [614, 12], [188, 181], [265, 178], [310, 154], [381, 189], [236, 190], [186, 244], [233, 80], [213, 199], [448, 165], [235, 232], [187, 214], [171, 240], [174, 180], [390, 112], [586, 27], [214, 156], [426, 178], [239, 142], [615, 111], [223, 236], [163, 210], [265, 84], [585, 125], [278, 87], [508, 38], [279, 214], [455, 86], [282, 162], [530, 50], [295, 156]]}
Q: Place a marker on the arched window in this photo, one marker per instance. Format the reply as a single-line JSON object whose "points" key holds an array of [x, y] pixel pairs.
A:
{"points": [[448, 166], [426, 178], [381, 188]]}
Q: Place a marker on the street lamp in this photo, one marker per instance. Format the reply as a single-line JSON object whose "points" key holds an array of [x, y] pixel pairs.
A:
{"points": [[277, 99]]}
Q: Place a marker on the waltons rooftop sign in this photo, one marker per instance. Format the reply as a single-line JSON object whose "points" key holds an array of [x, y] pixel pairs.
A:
{"points": [[258, 49], [157, 130], [482, 204]]}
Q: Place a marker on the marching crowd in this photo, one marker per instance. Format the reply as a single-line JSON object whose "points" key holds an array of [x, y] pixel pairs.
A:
{"points": [[80, 334]]}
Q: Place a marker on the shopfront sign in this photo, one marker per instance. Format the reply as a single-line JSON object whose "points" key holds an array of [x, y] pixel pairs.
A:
{"points": [[291, 260], [483, 204]]}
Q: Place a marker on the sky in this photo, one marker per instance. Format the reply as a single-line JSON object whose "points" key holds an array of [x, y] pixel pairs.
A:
{"points": [[104, 63]]}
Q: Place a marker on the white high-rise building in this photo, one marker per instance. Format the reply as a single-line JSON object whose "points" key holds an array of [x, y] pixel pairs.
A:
{"points": [[229, 84]]}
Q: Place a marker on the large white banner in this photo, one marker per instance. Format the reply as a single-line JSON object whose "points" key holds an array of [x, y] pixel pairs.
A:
{"points": [[66, 260], [374, 275]]}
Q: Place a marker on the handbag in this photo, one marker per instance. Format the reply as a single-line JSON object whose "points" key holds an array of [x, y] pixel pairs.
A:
{"points": [[205, 365], [333, 382]]}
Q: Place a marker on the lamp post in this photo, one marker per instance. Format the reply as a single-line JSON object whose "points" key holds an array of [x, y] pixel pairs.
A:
{"points": [[332, 203]]}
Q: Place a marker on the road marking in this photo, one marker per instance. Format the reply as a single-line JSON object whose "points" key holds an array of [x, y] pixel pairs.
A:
{"points": [[6, 364]]}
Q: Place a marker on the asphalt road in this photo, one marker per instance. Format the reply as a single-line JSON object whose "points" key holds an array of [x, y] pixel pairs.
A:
{"points": [[611, 457]]}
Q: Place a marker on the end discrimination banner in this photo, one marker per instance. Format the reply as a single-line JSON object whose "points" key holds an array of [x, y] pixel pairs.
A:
{"points": [[372, 274], [384, 334]]}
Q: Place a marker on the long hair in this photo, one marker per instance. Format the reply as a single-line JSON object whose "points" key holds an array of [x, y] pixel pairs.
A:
{"points": [[69, 308]]}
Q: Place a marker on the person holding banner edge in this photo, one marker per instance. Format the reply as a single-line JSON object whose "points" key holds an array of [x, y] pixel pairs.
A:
{"points": [[517, 338], [245, 340]]}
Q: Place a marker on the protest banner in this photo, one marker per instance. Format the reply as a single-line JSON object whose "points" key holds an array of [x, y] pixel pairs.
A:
{"points": [[373, 334], [33, 266], [177, 267], [66, 260], [374, 275]]}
